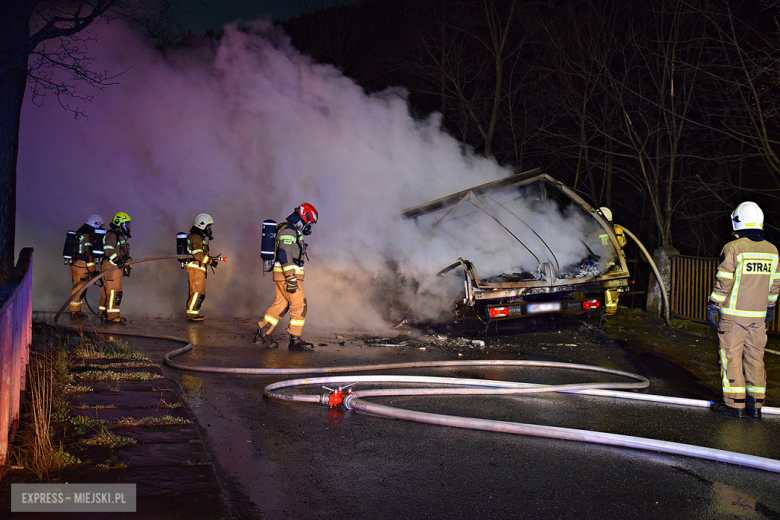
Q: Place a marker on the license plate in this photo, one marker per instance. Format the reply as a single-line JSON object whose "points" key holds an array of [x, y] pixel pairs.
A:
{"points": [[544, 307]]}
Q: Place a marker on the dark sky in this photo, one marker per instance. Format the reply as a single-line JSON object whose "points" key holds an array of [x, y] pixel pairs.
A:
{"points": [[200, 15]]}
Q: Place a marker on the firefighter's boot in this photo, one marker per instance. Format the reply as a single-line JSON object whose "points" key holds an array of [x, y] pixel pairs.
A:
{"points": [[751, 410], [261, 338], [725, 409], [296, 343]]}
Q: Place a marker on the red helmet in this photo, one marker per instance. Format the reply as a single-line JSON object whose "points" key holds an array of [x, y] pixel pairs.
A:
{"points": [[307, 213]]}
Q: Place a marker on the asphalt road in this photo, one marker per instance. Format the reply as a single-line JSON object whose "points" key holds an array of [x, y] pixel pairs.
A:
{"points": [[290, 460]]}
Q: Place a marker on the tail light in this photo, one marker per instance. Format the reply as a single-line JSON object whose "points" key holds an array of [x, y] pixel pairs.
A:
{"points": [[591, 304], [498, 312]]}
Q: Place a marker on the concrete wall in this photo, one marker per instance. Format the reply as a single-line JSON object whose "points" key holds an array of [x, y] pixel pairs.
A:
{"points": [[15, 339]]}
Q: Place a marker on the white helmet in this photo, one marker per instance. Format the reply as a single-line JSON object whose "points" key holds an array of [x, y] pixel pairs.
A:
{"points": [[747, 216], [203, 220], [95, 221], [606, 212]]}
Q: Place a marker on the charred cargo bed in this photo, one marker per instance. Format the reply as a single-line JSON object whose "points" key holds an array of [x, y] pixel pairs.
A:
{"points": [[577, 287]]}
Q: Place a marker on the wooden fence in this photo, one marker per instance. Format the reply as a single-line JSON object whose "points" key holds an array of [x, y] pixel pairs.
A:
{"points": [[692, 280]]}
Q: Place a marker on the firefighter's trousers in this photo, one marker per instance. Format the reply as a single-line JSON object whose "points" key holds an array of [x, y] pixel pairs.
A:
{"points": [[196, 289], [79, 273], [611, 298], [111, 295], [741, 350], [284, 301]]}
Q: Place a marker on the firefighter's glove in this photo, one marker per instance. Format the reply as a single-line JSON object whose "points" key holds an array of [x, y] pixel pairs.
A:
{"points": [[214, 262], [770, 314], [126, 269], [712, 316], [92, 274], [292, 285]]}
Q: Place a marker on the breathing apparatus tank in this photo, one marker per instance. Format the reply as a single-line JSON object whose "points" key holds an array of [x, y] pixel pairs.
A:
{"points": [[98, 242], [71, 247], [181, 247], [268, 244]]}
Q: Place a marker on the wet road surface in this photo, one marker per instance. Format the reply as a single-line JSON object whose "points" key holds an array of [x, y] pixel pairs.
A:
{"points": [[292, 460]]}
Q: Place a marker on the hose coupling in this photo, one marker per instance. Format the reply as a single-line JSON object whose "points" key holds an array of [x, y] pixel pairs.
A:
{"points": [[336, 397]]}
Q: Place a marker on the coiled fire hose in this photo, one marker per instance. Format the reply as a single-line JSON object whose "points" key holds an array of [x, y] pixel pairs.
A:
{"points": [[464, 386]]}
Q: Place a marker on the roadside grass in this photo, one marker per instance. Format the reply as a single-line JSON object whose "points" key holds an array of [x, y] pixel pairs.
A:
{"points": [[196, 462], [94, 407], [157, 420], [99, 376], [82, 424], [108, 439], [59, 366], [113, 463], [126, 364], [45, 401]]}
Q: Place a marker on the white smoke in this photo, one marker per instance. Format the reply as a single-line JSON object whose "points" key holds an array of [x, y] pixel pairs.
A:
{"points": [[246, 132]]}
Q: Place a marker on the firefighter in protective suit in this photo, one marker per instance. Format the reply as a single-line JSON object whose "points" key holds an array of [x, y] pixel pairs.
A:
{"points": [[747, 284], [198, 246], [611, 296], [117, 254], [83, 266], [288, 276]]}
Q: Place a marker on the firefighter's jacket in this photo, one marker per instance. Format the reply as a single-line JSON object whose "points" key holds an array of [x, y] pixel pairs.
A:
{"points": [[86, 235], [619, 234], [747, 281], [290, 252], [198, 247], [116, 247]]}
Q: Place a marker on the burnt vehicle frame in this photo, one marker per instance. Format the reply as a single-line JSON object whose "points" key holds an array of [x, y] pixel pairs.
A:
{"points": [[550, 292]]}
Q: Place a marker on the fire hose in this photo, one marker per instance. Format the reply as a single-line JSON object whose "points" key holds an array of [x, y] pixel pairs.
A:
{"points": [[657, 274], [84, 285], [464, 386]]}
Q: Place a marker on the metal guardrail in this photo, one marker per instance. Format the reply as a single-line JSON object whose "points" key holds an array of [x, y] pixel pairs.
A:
{"points": [[692, 280], [15, 339]]}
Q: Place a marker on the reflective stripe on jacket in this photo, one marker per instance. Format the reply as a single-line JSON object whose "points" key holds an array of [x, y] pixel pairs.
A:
{"points": [[199, 248], [116, 248], [84, 249], [747, 281], [290, 251]]}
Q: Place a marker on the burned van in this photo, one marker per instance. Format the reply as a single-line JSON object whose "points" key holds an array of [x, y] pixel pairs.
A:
{"points": [[525, 245]]}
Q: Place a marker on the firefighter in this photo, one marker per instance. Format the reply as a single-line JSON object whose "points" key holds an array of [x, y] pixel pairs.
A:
{"points": [[117, 254], [611, 296], [288, 273], [82, 267], [747, 284], [198, 246]]}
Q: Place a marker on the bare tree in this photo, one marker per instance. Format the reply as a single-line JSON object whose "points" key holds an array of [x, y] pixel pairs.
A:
{"points": [[471, 62], [157, 20], [629, 91], [747, 94], [35, 37]]}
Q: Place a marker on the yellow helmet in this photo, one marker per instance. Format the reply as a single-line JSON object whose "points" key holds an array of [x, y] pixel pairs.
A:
{"points": [[121, 221]]}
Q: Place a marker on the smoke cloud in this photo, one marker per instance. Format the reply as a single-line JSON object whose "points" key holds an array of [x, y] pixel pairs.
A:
{"points": [[246, 131]]}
